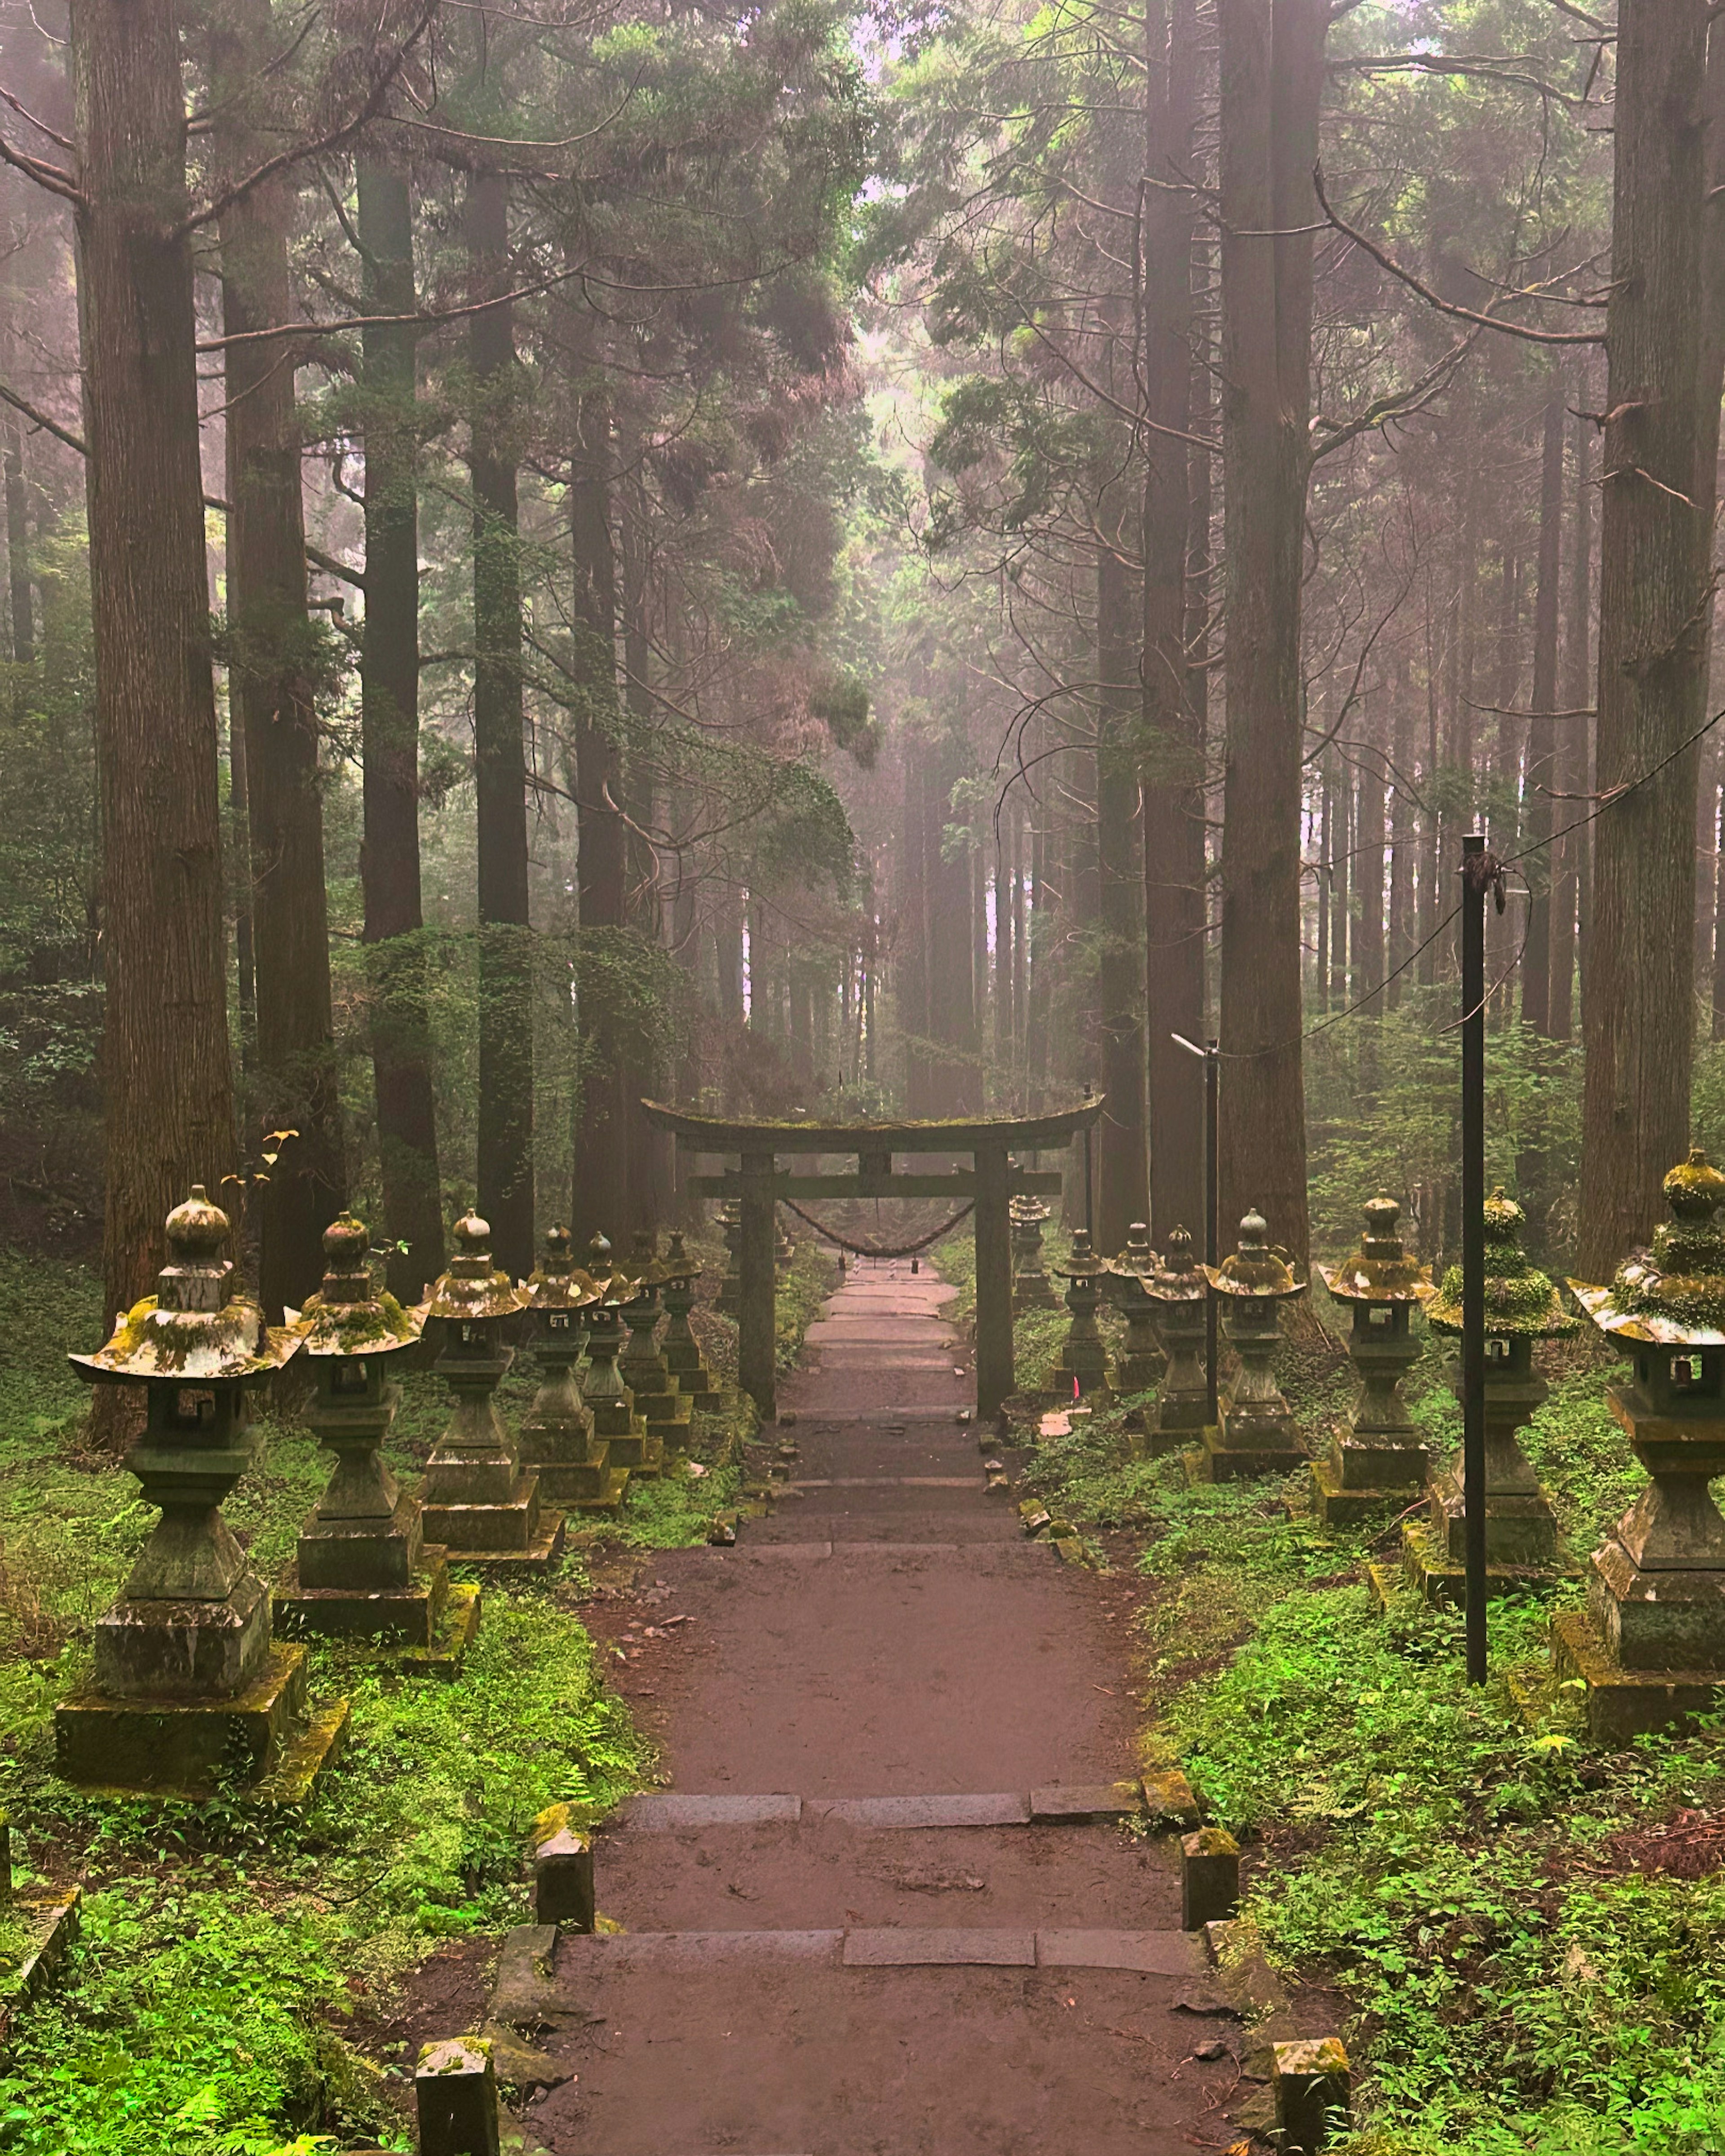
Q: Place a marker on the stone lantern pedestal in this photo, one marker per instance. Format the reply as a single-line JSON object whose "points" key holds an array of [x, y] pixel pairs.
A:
{"points": [[1379, 1461], [1143, 1362], [1180, 1295], [1082, 1369], [477, 1499], [728, 1301], [1255, 1434], [559, 1443], [608, 1399], [1521, 1548], [362, 1569], [679, 1348], [190, 1689], [1031, 1286], [658, 1401], [1650, 1647]]}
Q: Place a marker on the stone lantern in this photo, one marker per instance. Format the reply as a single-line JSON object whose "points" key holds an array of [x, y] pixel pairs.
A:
{"points": [[1179, 1294], [612, 1403], [680, 1348], [784, 1245], [658, 1402], [1031, 1287], [362, 1569], [1083, 1368], [1650, 1647], [1132, 1271], [1379, 1459], [728, 1300], [1521, 1307], [189, 1687], [477, 1500], [1255, 1432], [558, 1441]]}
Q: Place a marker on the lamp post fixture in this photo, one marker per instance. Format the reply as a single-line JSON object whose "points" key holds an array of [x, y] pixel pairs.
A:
{"points": [[1179, 1293], [679, 1348], [1253, 1433], [477, 1500], [1650, 1647], [558, 1441], [1082, 1370], [1375, 1464], [189, 1685], [1521, 1307], [1137, 1265], [1031, 1287], [658, 1402], [362, 1569], [612, 1403]]}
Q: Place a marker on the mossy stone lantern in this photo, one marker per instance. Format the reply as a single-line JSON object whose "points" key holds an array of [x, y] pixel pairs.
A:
{"points": [[728, 1300], [362, 1569], [612, 1403], [1082, 1370], [680, 1348], [1179, 1294], [1031, 1286], [1650, 1647], [477, 1498], [1521, 1307], [658, 1402], [189, 1685], [1378, 1458], [1255, 1432], [1143, 1362], [558, 1441]]}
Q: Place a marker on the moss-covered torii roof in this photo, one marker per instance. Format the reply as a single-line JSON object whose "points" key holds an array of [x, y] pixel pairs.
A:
{"points": [[961, 1134]]}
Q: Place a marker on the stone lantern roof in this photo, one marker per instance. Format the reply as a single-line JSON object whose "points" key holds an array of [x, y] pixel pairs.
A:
{"points": [[1520, 1300], [1180, 1278], [679, 1265], [473, 1288], [1255, 1271], [347, 1317], [194, 1328], [1671, 1294], [647, 1269], [608, 1277], [1382, 1270], [558, 1283], [1083, 1264], [1137, 1260]]}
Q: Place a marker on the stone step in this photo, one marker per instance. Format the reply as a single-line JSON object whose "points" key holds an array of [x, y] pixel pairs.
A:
{"points": [[890, 1946]]}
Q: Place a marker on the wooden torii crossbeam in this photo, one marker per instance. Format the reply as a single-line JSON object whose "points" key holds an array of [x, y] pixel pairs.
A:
{"points": [[991, 1181]]}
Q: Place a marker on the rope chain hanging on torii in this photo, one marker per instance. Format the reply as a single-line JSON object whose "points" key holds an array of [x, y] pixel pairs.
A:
{"points": [[873, 1251]]}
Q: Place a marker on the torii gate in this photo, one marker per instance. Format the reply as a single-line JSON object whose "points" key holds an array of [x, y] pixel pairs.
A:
{"points": [[989, 1183]]}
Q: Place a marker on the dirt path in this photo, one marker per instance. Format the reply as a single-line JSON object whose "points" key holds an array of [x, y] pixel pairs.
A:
{"points": [[850, 1925]]}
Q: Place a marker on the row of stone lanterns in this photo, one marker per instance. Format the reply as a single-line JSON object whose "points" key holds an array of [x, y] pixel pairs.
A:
{"points": [[190, 1680]]}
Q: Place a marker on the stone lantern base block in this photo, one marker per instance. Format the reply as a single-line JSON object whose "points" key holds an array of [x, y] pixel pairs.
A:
{"points": [[589, 1485], [381, 1553], [1032, 1292], [1358, 1483], [1138, 1374], [1621, 1703], [411, 1615], [265, 1737], [1521, 1526], [1430, 1569], [197, 1650], [669, 1417], [1655, 1621], [641, 1451], [1240, 1446], [521, 1537]]}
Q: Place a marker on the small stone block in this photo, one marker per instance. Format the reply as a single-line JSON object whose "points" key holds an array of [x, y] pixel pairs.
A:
{"points": [[932, 1811], [1169, 1800], [1311, 2080], [908, 1947], [1070, 1550], [1620, 1704], [1209, 1877], [526, 1992], [456, 2091], [562, 1871], [680, 1814], [1034, 1515], [1153, 1954], [1215, 1940], [1083, 1806]]}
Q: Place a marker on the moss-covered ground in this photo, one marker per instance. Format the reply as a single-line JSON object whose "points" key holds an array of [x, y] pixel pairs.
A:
{"points": [[238, 1971], [1527, 1931]]}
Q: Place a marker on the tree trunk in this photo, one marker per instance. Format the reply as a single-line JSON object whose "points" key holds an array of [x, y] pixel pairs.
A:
{"points": [[17, 546], [1272, 75], [168, 1088], [1574, 760], [1369, 856], [294, 1083], [389, 723], [1504, 792], [1656, 610], [505, 957], [1123, 1158], [1326, 854], [1541, 731], [1342, 875], [1401, 840]]}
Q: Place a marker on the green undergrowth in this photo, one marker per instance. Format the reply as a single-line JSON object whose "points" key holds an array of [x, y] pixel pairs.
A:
{"points": [[1477, 1882]]}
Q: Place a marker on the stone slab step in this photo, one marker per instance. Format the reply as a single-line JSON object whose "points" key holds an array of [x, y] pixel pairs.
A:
{"points": [[1153, 1954], [1056, 1803], [889, 1482]]}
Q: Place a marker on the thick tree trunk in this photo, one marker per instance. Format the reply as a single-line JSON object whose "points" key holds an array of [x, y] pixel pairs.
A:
{"points": [[1504, 789], [1272, 75], [1368, 854], [294, 1082], [1123, 1158], [506, 956], [1326, 844], [1542, 730], [1656, 610], [1573, 761], [17, 546], [389, 721], [169, 1096], [1341, 876], [1401, 840]]}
